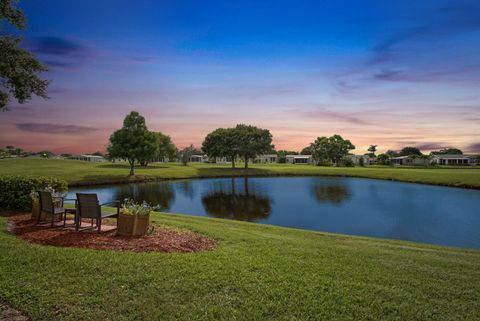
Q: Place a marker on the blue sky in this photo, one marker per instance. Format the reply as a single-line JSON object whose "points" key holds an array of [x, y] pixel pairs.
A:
{"points": [[391, 73]]}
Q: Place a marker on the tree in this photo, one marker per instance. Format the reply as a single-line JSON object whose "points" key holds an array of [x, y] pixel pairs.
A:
{"points": [[45, 153], [383, 159], [447, 151], [19, 69], [372, 149], [252, 141], [307, 151], [391, 153], [133, 141], [222, 142], [408, 151], [166, 148], [282, 155], [186, 153], [332, 148]]}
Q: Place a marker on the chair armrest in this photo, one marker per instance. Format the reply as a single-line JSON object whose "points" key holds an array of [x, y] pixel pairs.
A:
{"points": [[116, 203]]}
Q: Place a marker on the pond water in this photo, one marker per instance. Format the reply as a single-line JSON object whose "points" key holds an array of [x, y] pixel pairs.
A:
{"points": [[355, 206]]}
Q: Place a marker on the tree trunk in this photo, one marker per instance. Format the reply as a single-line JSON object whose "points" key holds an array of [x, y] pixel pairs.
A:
{"points": [[246, 162], [132, 164], [233, 162]]}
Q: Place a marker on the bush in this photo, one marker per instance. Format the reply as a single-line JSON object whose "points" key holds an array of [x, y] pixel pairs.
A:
{"points": [[347, 162], [15, 190]]}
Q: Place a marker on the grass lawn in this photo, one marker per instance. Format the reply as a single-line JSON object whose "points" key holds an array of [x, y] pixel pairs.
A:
{"points": [[81, 173], [259, 272]]}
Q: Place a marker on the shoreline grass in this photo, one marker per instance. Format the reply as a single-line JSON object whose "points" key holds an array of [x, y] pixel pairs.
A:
{"points": [[258, 272], [78, 173]]}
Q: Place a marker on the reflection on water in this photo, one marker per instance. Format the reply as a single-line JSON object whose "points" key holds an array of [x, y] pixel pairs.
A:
{"points": [[328, 193], [243, 203], [432, 214], [161, 195]]}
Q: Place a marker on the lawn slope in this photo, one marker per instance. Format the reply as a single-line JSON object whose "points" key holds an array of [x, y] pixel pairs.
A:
{"points": [[84, 173], [259, 272]]}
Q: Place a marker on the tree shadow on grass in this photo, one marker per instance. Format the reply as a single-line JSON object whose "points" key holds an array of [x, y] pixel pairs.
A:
{"points": [[127, 167]]}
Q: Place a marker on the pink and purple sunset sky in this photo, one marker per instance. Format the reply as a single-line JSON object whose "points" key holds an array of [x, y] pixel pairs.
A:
{"points": [[389, 73]]}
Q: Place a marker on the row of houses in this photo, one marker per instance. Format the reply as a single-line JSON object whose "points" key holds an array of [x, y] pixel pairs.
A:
{"points": [[452, 160], [261, 159]]}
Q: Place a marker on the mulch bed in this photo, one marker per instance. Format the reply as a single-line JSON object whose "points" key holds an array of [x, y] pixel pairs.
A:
{"points": [[161, 239]]}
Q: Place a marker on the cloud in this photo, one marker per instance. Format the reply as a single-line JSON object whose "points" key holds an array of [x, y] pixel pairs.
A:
{"points": [[388, 74], [474, 148], [324, 113], [451, 20], [54, 128], [57, 46], [141, 59], [60, 52], [431, 146]]}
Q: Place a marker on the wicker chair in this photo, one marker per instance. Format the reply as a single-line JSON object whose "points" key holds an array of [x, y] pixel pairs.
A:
{"points": [[47, 205], [88, 206]]}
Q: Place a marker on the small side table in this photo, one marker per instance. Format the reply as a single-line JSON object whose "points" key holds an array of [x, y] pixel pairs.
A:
{"points": [[70, 211]]}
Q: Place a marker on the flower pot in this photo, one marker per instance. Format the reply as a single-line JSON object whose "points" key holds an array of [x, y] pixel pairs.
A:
{"points": [[132, 225], [35, 210]]}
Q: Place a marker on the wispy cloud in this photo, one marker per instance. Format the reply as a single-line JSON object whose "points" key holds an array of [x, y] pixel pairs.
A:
{"points": [[60, 52], [54, 128], [474, 148], [324, 113], [446, 21]]}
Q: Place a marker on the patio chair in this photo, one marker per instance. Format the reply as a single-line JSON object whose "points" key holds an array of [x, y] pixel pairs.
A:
{"points": [[47, 205], [88, 206]]}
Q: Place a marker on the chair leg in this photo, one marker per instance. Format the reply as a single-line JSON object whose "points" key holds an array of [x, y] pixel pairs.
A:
{"points": [[77, 222], [99, 224], [64, 218], [92, 222], [53, 218]]}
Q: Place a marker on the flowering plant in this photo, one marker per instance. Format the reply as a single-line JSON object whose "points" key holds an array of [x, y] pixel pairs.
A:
{"points": [[56, 194], [129, 207]]}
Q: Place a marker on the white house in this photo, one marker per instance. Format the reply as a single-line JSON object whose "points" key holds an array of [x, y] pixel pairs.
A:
{"points": [[266, 159], [198, 159], [221, 160], [367, 160], [409, 161], [454, 160], [299, 159], [89, 158]]}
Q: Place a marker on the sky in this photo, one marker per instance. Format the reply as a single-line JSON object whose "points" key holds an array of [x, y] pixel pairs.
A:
{"points": [[388, 73]]}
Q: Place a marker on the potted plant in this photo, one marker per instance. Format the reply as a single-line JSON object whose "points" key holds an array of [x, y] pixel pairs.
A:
{"points": [[134, 218], [57, 202], [35, 205]]}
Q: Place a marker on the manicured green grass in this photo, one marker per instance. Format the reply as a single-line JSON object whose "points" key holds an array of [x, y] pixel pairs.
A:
{"points": [[259, 272], [80, 173]]}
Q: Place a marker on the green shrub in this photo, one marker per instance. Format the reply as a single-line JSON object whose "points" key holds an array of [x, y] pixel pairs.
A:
{"points": [[15, 190], [347, 162]]}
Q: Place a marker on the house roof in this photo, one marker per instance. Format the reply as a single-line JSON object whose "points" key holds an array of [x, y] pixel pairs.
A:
{"points": [[299, 156], [451, 156], [268, 155]]}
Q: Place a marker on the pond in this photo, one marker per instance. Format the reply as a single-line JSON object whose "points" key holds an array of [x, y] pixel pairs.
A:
{"points": [[355, 206]]}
